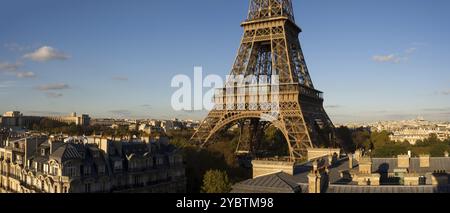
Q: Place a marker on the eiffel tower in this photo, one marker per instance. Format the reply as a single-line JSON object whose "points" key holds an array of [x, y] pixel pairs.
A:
{"points": [[270, 46]]}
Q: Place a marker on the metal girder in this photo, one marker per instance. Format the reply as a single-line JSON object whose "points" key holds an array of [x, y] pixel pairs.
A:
{"points": [[270, 45]]}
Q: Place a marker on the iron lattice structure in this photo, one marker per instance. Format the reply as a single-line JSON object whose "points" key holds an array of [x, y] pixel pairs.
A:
{"points": [[270, 46]]}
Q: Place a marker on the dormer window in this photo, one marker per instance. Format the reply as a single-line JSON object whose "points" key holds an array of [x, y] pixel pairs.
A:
{"points": [[46, 169], [160, 161], [54, 170], [117, 166], [95, 154], [101, 170], [87, 171], [42, 152]]}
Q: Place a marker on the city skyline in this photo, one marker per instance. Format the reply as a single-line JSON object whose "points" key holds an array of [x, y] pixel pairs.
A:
{"points": [[389, 64]]}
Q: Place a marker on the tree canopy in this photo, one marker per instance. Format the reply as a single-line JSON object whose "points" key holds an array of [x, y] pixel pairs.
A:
{"points": [[216, 181]]}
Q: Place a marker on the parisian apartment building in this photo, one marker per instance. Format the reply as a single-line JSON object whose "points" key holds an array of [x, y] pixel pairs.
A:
{"points": [[58, 164]]}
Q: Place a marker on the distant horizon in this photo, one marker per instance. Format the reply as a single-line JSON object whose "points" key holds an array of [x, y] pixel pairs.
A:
{"points": [[43, 114]]}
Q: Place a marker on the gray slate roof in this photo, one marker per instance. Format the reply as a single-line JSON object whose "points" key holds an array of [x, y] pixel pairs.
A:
{"points": [[66, 152], [285, 183], [386, 189], [384, 165], [302, 171], [275, 183]]}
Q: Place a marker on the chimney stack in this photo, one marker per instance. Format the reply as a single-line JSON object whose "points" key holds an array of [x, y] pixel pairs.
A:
{"points": [[350, 161]]}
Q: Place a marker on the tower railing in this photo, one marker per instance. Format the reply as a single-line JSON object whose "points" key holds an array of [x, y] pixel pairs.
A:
{"points": [[265, 9], [269, 89]]}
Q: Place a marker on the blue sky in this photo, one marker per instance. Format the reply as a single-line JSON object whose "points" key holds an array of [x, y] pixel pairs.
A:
{"points": [[374, 59]]}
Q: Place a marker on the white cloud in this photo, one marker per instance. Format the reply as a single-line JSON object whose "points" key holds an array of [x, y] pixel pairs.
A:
{"points": [[9, 67], [58, 86], [13, 69], [54, 95], [386, 58], [395, 58], [25, 75], [46, 53]]}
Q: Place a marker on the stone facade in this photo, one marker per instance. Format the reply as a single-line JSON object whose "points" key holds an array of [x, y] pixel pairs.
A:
{"points": [[261, 167], [365, 165], [314, 183], [424, 161], [317, 153], [411, 180], [364, 176], [42, 165], [318, 179], [17, 119], [403, 161], [367, 179], [368, 175]]}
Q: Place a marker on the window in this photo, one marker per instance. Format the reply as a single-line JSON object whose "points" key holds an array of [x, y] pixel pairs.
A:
{"points": [[54, 170], [160, 161], [19, 159], [70, 171], [87, 171], [87, 187], [137, 181], [422, 180], [117, 166], [101, 170]]}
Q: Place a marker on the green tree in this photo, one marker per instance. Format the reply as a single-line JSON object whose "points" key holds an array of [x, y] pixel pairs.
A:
{"points": [[438, 150], [380, 139], [274, 142], [216, 181], [391, 150], [344, 138], [361, 138]]}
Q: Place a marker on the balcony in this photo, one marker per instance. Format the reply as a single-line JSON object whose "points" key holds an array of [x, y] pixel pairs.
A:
{"points": [[261, 94], [312, 93]]}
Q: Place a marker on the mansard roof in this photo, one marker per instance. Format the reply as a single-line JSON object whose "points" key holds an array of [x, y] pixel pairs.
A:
{"points": [[285, 183], [275, 183], [386, 189], [66, 152], [383, 165], [138, 149]]}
